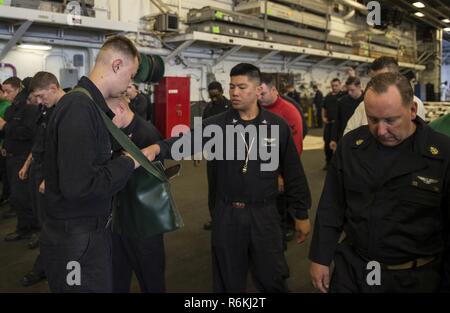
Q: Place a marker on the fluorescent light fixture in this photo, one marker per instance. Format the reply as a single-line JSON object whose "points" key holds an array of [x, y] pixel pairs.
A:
{"points": [[419, 5], [446, 20], [34, 47], [447, 29], [419, 14]]}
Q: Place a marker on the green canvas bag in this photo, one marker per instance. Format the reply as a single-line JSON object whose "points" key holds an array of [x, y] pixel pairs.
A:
{"points": [[145, 207]]}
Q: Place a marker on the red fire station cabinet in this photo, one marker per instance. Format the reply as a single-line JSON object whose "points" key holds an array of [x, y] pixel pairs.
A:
{"points": [[172, 104]]}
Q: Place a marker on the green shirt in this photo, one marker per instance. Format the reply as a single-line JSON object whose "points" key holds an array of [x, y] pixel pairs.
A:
{"points": [[3, 106], [442, 124]]}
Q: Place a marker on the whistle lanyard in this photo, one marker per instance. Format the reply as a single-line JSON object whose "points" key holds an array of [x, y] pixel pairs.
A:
{"points": [[248, 149]]}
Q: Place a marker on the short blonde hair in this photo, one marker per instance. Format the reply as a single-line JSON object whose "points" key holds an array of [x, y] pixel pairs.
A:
{"points": [[123, 45]]}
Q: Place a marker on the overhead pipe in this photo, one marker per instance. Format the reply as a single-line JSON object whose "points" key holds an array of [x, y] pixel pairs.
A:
{"points": [[349, 15], [360, 7], [201, 67], [163, 7], [157, 5], [8, 65], [355, 5]]}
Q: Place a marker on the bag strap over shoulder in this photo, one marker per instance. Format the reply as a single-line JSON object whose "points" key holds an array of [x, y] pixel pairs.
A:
{"points": [[124, 140]]}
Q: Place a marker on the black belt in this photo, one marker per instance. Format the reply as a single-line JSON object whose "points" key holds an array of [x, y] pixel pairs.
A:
{"points": [[78, 225], [242, 204]]}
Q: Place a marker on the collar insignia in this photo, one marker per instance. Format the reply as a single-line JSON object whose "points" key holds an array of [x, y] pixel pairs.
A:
{"points": [[434, 151], [427, 181]]}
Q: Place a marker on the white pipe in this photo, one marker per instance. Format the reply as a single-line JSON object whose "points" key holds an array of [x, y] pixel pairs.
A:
{"points": [[114, 10], [90, 60], [376, 31], [120, 10], [162, 7], [349, 15], [355, 5], [201, 67]]}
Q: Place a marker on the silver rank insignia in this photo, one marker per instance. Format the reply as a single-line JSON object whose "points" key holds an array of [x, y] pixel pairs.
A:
{"points": [[427, 181]]}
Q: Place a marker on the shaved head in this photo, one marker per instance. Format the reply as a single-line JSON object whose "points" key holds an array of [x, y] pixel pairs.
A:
{"points": [[115, 66], [118, 47]]}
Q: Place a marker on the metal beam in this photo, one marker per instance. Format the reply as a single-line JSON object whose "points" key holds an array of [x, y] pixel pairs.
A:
{"points": [[421, 56], [321, 62], [51, 18], [424, 56], [361, 66], [267, 56], [164, 8], [443, 6], [425, 59], [215, 39], [15, 38], [295, 60], [436, 12], [257, 44], [427, 16], [226, 54], [340, 65], [411, 15], [179, 49], [403, 71]]}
